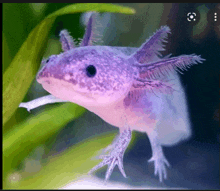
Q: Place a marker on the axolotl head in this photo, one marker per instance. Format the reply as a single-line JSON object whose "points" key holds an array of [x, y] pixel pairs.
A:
{"points": [[89, 75], [102, 75]]}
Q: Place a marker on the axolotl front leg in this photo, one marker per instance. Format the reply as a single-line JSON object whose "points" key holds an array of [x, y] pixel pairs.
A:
{"points": [[115, 157], [40, 101]]}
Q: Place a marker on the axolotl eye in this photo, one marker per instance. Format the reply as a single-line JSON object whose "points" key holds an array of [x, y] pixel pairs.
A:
{"points": [[90, 71], [47, 60], [50, 59]]}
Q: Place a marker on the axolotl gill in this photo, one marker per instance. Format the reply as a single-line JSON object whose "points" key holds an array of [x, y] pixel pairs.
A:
{"points": [[130, 88]]}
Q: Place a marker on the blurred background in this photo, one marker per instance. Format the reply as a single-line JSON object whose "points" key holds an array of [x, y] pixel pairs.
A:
{"points": [[195, 163]]}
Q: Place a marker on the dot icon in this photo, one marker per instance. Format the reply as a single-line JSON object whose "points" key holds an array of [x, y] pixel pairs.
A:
{"points": [[215, 16], [212, 16]]}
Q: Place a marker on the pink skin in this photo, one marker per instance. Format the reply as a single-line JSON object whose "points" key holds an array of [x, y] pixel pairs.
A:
{"points": [[127, 87]]}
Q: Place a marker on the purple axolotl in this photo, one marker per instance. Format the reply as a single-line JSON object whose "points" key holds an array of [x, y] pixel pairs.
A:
{"points": [[129, 88]]}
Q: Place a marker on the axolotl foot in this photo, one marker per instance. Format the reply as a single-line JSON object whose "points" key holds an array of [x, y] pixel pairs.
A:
{"points": [[115, 156], [160, 161], [160, 166], [116, 153]]}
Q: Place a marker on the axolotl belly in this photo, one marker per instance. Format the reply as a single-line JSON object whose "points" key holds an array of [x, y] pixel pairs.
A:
{"points": [[130, 88]]}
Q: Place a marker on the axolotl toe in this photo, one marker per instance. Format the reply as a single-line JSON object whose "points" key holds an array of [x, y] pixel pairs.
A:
{"points": [[130, 88]]}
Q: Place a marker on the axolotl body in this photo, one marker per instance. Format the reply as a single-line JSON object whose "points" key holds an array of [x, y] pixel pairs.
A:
{"points": [[129, 88]]}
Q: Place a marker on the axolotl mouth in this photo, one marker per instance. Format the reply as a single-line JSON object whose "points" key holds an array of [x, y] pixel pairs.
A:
{"points": [[62, 86]]}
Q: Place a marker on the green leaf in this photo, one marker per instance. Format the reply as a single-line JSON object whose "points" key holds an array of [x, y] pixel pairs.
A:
{"points": [[18, 21], [20, 140], [64, 168], [19, 75], [6, 57], [18, 143]]}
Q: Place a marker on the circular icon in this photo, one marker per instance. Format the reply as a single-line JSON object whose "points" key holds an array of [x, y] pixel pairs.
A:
{"points": [[193, 17]]}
